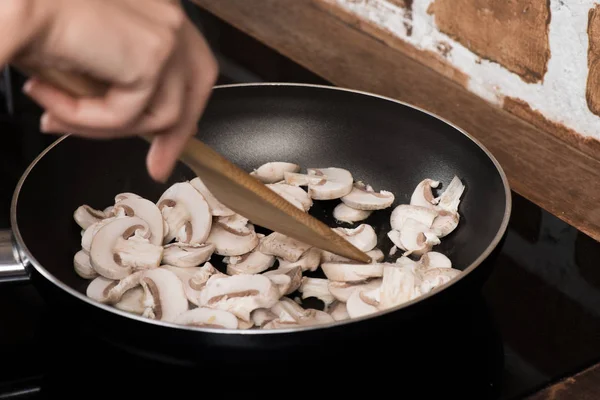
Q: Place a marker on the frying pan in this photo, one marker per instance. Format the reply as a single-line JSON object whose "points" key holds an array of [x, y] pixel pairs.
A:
{"points": [[386, 143]]}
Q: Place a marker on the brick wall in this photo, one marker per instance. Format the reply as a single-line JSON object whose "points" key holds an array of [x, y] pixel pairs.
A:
{"points": [[539, 59]]}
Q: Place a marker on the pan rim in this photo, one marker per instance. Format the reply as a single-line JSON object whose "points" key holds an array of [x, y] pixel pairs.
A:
{"points": [[282, 331]]}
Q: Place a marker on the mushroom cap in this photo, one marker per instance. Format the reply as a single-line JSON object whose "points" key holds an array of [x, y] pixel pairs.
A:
{"points": [[292, 280], [164, 294], [146, 210], [434, 259], [82, 265], [254, 262], [274, 171], [338, 311], [85, 216], [338, 183], [316, 287], [344, 213], [187, 214], [309, 261], [217, 208], [122, 246], [361, 198], [233, 236], [343, 290], [424, 215], [362, 237], [282, 246], [239, 294], [294, 194], [132, 301], [352, 272], [207, 317], [356, 306], [187, 255], [422, 195]]}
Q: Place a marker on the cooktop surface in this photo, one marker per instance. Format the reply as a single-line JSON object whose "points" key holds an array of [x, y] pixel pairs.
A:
{"points": [[537, 320]]}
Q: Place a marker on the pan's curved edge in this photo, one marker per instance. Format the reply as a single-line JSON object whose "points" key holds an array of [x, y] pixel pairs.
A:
{"points": [[493, 244]]}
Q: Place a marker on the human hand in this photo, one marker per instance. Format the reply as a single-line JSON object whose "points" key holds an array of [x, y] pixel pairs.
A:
{"points": [[159, 71]]}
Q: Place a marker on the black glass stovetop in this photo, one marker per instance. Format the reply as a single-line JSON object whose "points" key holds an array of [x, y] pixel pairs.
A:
{"points": [[537, 320]]}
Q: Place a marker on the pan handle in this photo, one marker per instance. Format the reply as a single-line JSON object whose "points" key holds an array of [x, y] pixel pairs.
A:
{"points": [[13, 264]]}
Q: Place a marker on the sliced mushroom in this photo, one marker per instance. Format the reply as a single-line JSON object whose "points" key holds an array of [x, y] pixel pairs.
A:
{"points": [[282, 246], [295, 195], [309, 261], [345, 213], [132, 301], [363, 197], [445, 223], [207, 318], [397, 286], [312, 317], [422, 195], [202, 275], [338, 311], [316, 287], [165, 297], [296, 179], [262, 316], [351, 272], [187, 214], [217, 208], [111, 291], [187, 255], [414, 238], [146, 210], [90, 232], [434, 259], [435, 277], [362, 237], [424, 215], [292, 280], [254, 262], [82, 266], [375, 254], [122, 246], [287, 309], [126, 195], [338, 183], [343, 290], [186, 276], [239, 294], [85, 216], [233, 236], [272, 172], [359, 304], [450, 198], [243, 325]]}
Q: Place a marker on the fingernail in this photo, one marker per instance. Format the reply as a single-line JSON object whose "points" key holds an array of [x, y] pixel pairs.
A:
{"points": [[27, 87], [45, 123]]}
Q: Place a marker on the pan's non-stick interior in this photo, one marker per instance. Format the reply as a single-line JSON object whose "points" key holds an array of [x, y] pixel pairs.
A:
{"points": [[382, 143]]}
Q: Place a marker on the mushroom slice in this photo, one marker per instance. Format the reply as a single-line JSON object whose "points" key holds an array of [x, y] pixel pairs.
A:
{"points": [[359, 305], [309, 261], [351, 272], [122, 246], [83, 268], [422, 195], [434, 259], [187, 214], [450, 198], [187, 255], [165, 297], [414, 238], [110, 291], [401, 213], [295, 195], [287, 309], [316, 287], [282, 246], [343, 290], [435, 277], [217, 208], [296, 179], [445, 223], [397, 286], [363, 197], [207, 318], [90, 232], [262, 316], [233, 236], [146, 210], [85, 216], [327, 257], [126, 195], [345, 213], [254, 262], [202, 275], [312, 317], [272, 172], [186, 275], [338, 311], [362, 237], [132, 301], [338, 183], [239, 294], [243, 325], [292, 280]]}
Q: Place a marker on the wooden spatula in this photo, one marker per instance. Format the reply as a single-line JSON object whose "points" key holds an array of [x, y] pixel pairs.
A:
{"points": [[230, 184]]}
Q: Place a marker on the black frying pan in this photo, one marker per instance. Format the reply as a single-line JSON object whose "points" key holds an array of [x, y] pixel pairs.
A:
{"points": [[386, 143]]}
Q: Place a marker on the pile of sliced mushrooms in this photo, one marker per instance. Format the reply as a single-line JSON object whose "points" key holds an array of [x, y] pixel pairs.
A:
{"points": [[153, 259]]}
